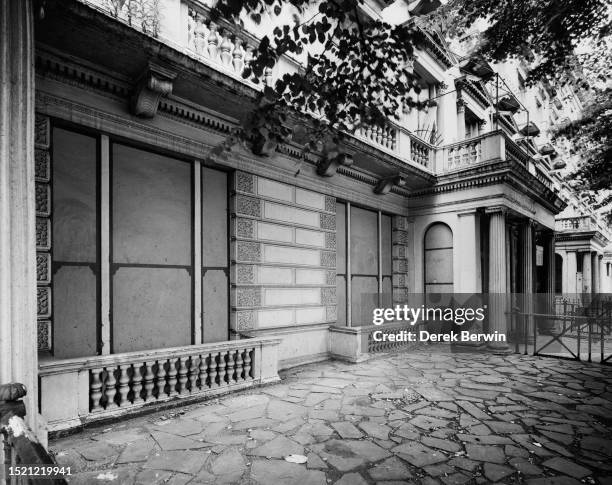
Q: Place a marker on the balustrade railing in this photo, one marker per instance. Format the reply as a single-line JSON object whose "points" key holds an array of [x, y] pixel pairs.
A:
{"points": [[420, 153], [106, 385], [464, 154], [383, 136], [152, 380], [574, 223]]}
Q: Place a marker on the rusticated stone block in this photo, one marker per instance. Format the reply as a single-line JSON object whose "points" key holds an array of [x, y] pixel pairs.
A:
{"points": [[245, 320], [248, 251], [328, 296], [400, 222], [328, 221], [400, 266], [245, 228], [43, 268], [328, 259], [43, 199], [41, 131], [43, 234], [248, 297], [331, 313], [42, 165], [245, 274], [400, 237], [44, 335], [248, 206], [245, 182], [399, 251], [43, 301]]}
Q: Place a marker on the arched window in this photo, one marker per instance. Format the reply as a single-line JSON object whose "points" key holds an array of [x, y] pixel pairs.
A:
{"points": [[439, 259]]}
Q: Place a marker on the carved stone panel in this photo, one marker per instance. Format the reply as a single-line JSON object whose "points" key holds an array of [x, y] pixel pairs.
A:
{"points": [[43, 199], [328, 259], [43, 268], [245, 320], [245, 182], [44, 301], [44, 335], [43, 234], [248, 206], [248, 251], [328, 221], [248, 297], [41, 131], [42, 165]]}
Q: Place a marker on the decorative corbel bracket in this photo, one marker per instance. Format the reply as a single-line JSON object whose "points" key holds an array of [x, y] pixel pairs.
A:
{"points": [[385, 185], [155, 82], [328, 166]]}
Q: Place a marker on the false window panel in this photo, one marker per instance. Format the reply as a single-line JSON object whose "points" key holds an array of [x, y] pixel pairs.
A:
{"points": [[151, 250], [74, 244]]}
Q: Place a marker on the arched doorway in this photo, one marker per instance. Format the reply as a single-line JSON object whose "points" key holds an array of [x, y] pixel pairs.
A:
{"points": [[439, 259]]}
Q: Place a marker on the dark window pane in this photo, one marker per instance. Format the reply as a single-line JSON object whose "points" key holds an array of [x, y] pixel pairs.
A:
{"points": [[387, 246]]}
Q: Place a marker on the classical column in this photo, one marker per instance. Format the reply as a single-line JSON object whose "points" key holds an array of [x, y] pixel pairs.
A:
{"points": [[596, 272], [18, 346], [497, 276], [586, 273], [527, 280], [571, 271], [547, 326]]}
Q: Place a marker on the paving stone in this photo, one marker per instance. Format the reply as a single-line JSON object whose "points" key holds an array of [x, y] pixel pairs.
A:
{"points": [[472, 409], [526, 468], [567, 467], [419, 455], [553, 481], [178, 461], [375, 430], [315, 462], [464, 463], [346, 455], [179, 427], [279, 447], [442, 444], [280, 472], [98, 451], [347, 430], [136, 451], [428, 423], [505, 428], [456, 479], [390, 469], [169, 442], [491, 454], [433, 395], [228, 467], [121, 437], [152, 477], [112, 476], [496, 472], [594, 443], [351, 479]]}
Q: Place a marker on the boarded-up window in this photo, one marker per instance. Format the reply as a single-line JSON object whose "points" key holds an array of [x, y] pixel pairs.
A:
{"points": [[439, 259], [74, 245], [364, 265], [151, 250], [341, 262]]}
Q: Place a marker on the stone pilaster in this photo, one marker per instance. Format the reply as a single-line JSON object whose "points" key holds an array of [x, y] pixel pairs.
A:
{"points": [[570, 271], [596, 272], [547, 326], [586, 273], [401, 245], [19, 361], [527, 279], [497, 275]]}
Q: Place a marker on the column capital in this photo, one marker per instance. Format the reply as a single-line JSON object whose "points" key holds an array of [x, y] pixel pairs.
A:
{"points": [[503, 210]]}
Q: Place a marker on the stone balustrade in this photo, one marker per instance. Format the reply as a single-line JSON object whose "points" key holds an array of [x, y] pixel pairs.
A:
{"points": [[110, 385], [382, 136], [580, 223]]}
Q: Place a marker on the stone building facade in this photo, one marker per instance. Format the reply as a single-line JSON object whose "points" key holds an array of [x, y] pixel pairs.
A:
{"points": [[140, 267]]}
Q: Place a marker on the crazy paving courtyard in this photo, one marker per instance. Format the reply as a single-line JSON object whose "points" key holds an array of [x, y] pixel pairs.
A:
{"points": [[421, 417]]}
